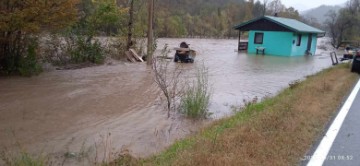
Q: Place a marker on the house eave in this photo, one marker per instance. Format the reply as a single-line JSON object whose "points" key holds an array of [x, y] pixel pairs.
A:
{"points": [[238, 27]]}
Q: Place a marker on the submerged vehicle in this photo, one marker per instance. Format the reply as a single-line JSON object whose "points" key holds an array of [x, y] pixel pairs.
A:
{"points": [[184, 54], [350, 53]]}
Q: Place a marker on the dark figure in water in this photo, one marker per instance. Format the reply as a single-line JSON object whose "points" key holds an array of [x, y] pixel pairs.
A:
{"points": [[183, 56]]}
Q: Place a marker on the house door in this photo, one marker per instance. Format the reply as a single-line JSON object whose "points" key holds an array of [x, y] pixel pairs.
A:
{"points": [[308, 49]]}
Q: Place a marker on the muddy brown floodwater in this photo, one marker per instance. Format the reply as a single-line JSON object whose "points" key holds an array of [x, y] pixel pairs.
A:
{"points": [[83, 112]]}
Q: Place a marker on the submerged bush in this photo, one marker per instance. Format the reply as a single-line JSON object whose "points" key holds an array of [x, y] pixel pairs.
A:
{"points": [[73, 49], [29, 64], [22, 59], [194, 103], [87, 51]]}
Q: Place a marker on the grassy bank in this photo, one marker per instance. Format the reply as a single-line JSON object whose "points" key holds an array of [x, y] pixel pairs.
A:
{"points": [[277, 131]]}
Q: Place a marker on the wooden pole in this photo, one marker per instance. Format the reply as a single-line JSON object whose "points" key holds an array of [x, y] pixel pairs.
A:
{"points": [[239, 40], [150, 32]]}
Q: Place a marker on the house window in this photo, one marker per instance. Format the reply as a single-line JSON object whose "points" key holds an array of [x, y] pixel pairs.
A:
{"points": [[259, 38], [298, 40]]}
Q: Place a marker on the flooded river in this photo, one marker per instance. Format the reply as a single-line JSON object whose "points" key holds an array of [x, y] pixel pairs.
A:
{"points": [[236, 76], [119, 106]]}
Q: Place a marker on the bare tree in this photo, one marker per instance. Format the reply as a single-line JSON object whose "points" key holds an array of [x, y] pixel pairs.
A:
{"points": [[130, 25], [275, 6], [265, 2], [353, 6], [338, 24], [150, 31], [167, 80]]}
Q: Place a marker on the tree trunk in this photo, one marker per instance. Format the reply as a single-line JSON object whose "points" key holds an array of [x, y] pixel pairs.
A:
{"points": [[130, 25], [150, 32]]}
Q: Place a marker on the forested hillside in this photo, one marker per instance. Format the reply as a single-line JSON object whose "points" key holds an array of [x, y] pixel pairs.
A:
{"points": [[320, 13], [204, 18], [211, 18]]}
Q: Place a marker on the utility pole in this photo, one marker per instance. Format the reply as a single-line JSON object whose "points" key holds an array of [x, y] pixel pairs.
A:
{"points": [[150, 32]]}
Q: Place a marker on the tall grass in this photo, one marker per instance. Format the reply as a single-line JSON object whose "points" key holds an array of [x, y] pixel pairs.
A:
{"points": [[22, 159], [195, 101]]}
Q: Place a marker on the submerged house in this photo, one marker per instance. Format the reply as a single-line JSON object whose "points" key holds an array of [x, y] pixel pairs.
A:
{"points": [[279, 36]]}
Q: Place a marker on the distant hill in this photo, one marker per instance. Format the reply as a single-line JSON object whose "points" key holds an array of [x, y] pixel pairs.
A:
{"points": [[320, 12]]}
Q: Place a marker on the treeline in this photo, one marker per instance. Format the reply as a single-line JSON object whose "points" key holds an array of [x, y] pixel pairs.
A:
{"points": [[20, 22], [344, 26], [67, 31], [212, 18], [67, 26]]}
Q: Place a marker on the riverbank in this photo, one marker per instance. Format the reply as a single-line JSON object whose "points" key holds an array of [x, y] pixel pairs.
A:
{"points": [[277, 131]]}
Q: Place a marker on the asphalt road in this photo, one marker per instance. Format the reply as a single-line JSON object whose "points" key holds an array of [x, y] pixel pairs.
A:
{"points": [[340, 146], [345, 150]]}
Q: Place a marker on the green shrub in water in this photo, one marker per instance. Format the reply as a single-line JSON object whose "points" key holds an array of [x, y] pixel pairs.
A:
{"points": [[194, 103], [28, 65], [87, 51]]}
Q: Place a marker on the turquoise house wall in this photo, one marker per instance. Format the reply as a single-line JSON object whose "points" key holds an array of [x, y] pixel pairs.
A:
{"points": [[299, 50], [282, 43], [275, 43], [314, 44]]}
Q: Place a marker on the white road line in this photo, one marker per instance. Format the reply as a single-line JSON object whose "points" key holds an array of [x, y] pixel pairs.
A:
{"points": [[320, 155]]}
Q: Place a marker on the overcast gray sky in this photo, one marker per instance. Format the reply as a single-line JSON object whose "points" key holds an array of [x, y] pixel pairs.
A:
{"points": [[308, 4]]}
